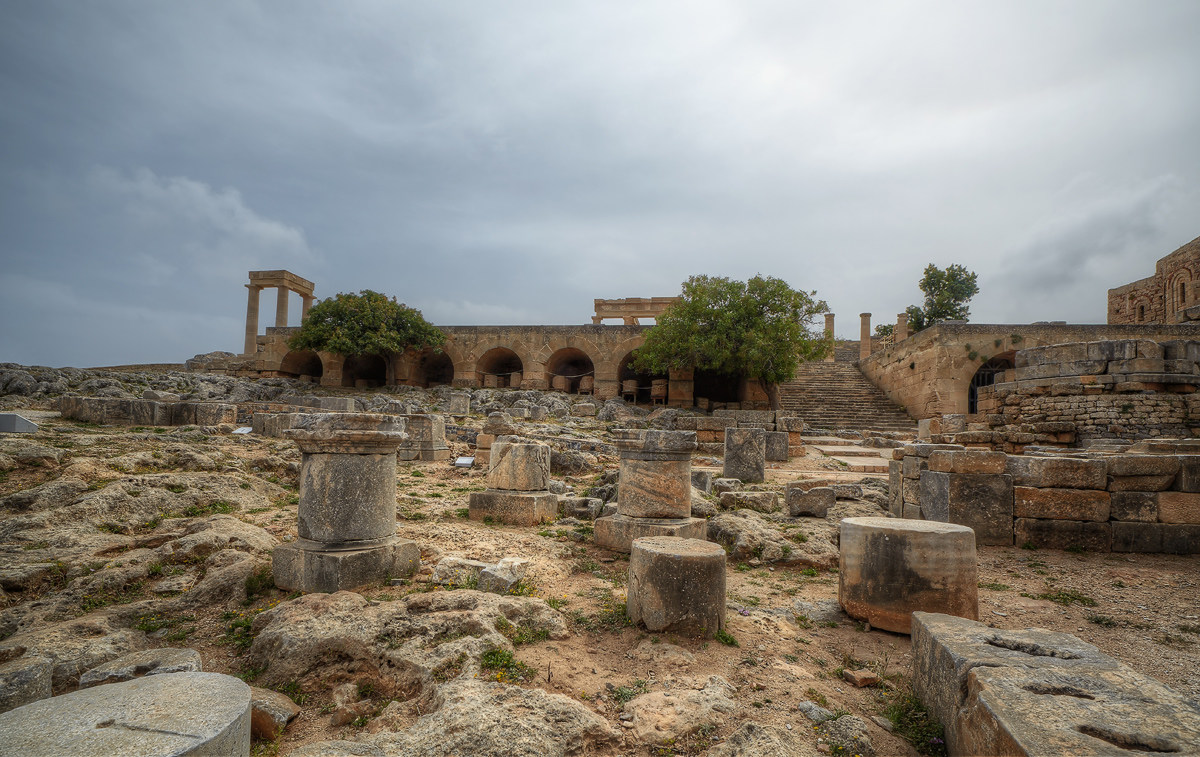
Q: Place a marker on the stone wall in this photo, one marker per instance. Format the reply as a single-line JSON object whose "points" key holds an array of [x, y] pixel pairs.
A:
{"points": [[929, 374], [1146, 499], [1164, 297]]}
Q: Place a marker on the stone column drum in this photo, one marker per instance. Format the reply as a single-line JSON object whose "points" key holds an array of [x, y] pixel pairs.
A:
{"points": [[347, 515], [518, 482], [891, 567], [654, 492], [677, 585], [746, 454]]}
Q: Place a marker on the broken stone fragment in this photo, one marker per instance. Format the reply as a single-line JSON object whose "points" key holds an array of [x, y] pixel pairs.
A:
{"points": [[147, 662], [502, 577], [270, 712]]}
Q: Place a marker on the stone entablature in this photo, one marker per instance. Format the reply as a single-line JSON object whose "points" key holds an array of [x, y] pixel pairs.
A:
{"points": [[283, 282], [929, 373], [630, 309], [1169, 296]]}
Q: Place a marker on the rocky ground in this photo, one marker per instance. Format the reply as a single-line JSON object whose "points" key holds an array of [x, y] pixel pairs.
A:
{"points": [[116, 539]]}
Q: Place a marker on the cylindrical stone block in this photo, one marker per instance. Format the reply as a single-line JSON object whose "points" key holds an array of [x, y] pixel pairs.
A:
{"points": [[560, 384], [746, 454], [677, 585], [517, 466], [658, 388], [891, 567], [587, 384]]}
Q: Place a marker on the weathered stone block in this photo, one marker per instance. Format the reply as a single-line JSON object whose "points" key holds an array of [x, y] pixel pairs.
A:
{"points": [[1179, 507], [1063, 534], [968, 461], [519, 467], [746, 454], [1134, 506], [172, 714], [945, 649], [655, 488], [1060, 504], [763, 502], [270, 712], [912, 491], [297, 569], [982, 502], [813, 503], [1140, 483], [1188, 479], [617, 532], [895, 487], [677, 585], [459, 404], [722, 485], [911, 466], [1058, 472], [583, 508], [891, 567], [514, 508], [776, 446], [146, 662], [1013, 711], [1142, 465], [702, 480], [912, 512], [792, 425]]}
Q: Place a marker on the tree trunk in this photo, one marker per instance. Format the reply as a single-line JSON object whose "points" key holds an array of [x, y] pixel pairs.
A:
{"points": [[772, 394]]}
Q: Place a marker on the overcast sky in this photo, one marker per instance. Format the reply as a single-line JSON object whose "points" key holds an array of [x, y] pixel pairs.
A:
{"points": [[506, 163]]}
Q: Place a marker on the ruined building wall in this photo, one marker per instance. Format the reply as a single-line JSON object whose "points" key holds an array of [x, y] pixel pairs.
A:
{"points": [[1163, 297]]}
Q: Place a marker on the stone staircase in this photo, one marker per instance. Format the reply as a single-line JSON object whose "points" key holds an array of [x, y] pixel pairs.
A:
{"points": [[837, 395]]}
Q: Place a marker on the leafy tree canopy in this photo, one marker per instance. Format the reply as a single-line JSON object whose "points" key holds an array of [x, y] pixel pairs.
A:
{"points": [[367, 323], [946, 296], [758, 329]]}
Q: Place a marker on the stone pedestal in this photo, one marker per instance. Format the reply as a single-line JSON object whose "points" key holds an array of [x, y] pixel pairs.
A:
{"points": [[518, 485], [347, 514], [746, 454], [677, 585], [654, 494], [426, 439], [891, 567], [460, 404]]}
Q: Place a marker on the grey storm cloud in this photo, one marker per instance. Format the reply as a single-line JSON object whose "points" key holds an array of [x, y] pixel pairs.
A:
{"points": [[508, 163]]}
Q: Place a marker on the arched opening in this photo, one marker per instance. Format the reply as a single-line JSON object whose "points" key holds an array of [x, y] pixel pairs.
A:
{"points": [[570, 370], [716, 387], [435, 369], [499, 367], [1141, 313], [637, 386], [364, 371], [302, 364], [986, 376], [1182, 295]]}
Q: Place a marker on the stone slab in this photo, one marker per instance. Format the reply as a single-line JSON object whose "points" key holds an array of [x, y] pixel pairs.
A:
{"points": [[617, 532], [968, 461], [1134, 506], [146, 662], [745, 454], [763, 502], [298, 569], [1058, 472], [513, 508], [170, 714], [1168, 538], [812, 503], [864, 464], [776, 450], [1060, 504], [1179, 507]]}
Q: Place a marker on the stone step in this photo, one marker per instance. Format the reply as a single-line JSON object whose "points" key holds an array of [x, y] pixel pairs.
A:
{"points": [[864, 464], [845, 450]]}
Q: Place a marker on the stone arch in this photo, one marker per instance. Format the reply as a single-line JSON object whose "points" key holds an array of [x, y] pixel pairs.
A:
{"points": [[371, 369], [302, 363], [611, 362], [568, 368], [498, 365], [1175, 297], [986, 374], [434, 368]]}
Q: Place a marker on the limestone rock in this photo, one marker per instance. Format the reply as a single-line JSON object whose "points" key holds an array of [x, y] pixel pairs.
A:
{"points": [[814, 503], [722, 485], [754, 740], [848, 732], [662, 652], [147, 662], [270, 712], [503, 576], [748, 535], [763, 502], [486, 719], [74, 647], [24, 678], [457, 572], [214, 533], [660, 716]]}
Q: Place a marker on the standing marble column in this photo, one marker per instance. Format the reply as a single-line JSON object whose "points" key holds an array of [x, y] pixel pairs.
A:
{"points": [[281, 307], [252, 319], [347, 514], [306, 305], [864, 335]]}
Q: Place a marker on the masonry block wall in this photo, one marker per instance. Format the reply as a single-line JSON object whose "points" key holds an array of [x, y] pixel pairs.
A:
{"points": [[1146, 500], [1164, 297]]}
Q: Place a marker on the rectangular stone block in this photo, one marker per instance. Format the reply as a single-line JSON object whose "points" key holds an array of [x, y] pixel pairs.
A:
{"points": [[513, 508], [1179, 507], [792, 425], [1058, 472], [777, 446], [1063, 534], [143, 412], [913, 465], [912, 491], [982, 502], [296, 569], [1140, 483], [715, 424], [1060, 504], [1137, 537], [183, 414], [1142, 465], [617, 532], [1134, 506], [1188, 478], [895, 487], [745, 454], [968, 461], [813, 503], [913, 512], [763, 502]]}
